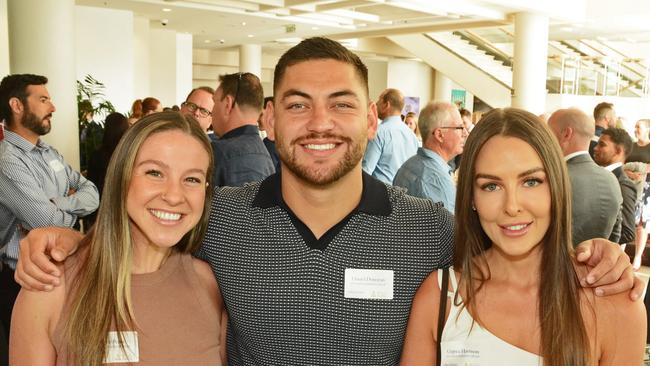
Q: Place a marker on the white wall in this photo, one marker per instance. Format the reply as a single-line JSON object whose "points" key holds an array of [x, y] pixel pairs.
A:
{"points": [[4, 40], [377, 77], [183, 66], [140, 58], [162, 66], [104, 49], [632, 109], [413, 78], [209, 64]]}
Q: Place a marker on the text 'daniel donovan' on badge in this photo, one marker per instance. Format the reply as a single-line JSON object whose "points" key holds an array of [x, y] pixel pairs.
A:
{"points": [[376, 284]]}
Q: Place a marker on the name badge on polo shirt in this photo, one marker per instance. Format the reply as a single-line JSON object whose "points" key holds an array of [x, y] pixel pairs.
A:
{"points": [[374, 284], [56, 166], [115, 353]]}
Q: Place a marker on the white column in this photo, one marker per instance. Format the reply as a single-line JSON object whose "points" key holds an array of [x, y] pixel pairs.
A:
{"points": [[4, 39], [183, 66], [141, 49], [250, 59], [530, 62], [41, 41], [442, 87], [162, 66]]}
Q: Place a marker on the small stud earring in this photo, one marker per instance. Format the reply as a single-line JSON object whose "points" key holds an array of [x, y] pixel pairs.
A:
{"points": [[473, 207]]}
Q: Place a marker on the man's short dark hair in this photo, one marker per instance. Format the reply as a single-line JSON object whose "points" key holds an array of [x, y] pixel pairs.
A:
{"points": [[267, 100], [319, 48], [621, 138], [465, 113], [244, 87], [15, 86], [602, 109], [204, 88]]}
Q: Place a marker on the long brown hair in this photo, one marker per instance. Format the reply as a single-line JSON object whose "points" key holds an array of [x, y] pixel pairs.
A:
{"points": [[564, 340], [100, 298]]}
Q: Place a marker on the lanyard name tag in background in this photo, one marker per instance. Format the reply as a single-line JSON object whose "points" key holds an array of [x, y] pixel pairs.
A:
{"points": [[368, 284], [115, 353], [56, 166]]}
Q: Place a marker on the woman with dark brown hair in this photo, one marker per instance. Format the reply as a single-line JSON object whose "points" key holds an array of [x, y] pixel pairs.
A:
{"points": [[514, 295]]}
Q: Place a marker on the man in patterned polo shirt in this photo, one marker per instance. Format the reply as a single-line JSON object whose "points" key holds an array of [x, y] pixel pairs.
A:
{"points": [[318, 264]]}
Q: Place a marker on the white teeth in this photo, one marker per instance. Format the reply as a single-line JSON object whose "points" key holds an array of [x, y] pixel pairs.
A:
{"points": [[320, 146], [166, 215], [516, 227]]}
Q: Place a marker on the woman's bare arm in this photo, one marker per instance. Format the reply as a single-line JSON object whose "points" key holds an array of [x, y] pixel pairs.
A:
{"points": [[621, 327], [33, 321], [420, 343]]}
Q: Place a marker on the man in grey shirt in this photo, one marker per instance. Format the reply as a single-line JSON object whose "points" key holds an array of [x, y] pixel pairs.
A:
{"points": [[427, 174], [38, 187]]}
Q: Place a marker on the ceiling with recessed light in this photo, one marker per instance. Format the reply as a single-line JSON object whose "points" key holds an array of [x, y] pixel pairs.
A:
{"points": [[227, 23]]}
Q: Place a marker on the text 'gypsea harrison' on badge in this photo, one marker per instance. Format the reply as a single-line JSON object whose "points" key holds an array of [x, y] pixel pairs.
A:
{"points": [[376, 284]]}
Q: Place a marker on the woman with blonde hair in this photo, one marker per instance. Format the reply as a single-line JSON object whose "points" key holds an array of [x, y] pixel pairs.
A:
{"points": [[133, 293], [514, 296], [411, 120]]}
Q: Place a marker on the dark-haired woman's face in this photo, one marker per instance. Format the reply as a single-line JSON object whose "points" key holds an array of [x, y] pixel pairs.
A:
{"points": [[512, 195]]}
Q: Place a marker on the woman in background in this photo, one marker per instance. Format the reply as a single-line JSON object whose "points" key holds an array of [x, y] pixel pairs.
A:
{"points": [[144, 107], [514, 295], [411, 120]]}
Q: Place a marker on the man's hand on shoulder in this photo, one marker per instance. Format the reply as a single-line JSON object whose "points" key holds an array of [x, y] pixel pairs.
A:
{"points": [[612, 271], [35, 269]]}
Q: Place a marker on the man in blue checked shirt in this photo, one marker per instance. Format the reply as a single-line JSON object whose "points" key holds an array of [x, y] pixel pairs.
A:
{"points": [[38, 188], [394, 142]]}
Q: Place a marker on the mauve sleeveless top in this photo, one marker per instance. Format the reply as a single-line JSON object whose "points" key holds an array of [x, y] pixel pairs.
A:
{"points": [[177, 325]]}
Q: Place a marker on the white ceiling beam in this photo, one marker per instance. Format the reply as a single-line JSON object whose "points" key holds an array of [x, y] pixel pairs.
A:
{"points": [[275, 3], [438, 27], [356, 15], [417, 6], [327, 18], [347, 4], [244, 5], [291, 3]]}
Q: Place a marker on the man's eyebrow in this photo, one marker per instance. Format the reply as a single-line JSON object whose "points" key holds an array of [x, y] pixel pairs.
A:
{"points": [[344, 93], [340, 93], [295, 92]]}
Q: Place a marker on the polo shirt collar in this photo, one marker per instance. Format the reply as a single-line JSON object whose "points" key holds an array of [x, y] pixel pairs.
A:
{"points": [[374, 195]]}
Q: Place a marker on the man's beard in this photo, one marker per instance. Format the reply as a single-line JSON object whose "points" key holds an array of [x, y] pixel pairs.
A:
{"points": [[320, 176], [35, 124]]}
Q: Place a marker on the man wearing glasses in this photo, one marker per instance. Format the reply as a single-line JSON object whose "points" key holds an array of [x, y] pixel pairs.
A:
{"points": [[239, 154], [199, 104], [427, 174]]}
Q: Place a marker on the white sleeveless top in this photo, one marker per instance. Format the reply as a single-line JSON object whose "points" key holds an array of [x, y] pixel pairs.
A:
{"points": [[478, 347]]}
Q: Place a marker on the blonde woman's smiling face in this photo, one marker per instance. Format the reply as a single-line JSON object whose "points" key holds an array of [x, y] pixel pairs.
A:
{"points": [[167, 189]]}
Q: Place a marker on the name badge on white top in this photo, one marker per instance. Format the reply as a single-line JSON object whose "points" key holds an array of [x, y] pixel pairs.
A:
{"points": [[368, 284], [56, 166], [115, 353]]}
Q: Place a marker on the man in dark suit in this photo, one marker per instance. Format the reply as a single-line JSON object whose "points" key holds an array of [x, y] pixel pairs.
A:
{"points": [[614, 145], [596, 196]]}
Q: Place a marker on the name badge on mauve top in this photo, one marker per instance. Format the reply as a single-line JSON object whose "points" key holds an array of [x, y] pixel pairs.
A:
{"points": [[374, 284], [115, 353]]}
